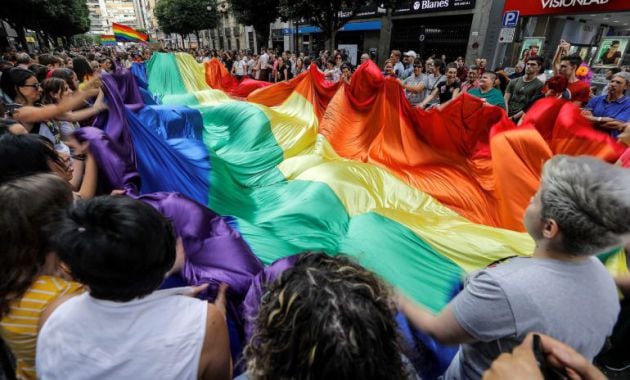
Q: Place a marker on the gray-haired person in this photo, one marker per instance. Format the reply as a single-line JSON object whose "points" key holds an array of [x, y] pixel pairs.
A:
{"points": [[581, 209]]}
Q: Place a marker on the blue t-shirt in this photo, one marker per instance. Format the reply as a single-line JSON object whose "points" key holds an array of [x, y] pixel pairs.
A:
{"points": [[618, 109]]}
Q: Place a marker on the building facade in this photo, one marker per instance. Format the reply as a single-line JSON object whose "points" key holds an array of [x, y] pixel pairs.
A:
{"points": [[103, 13], [590, 27]]}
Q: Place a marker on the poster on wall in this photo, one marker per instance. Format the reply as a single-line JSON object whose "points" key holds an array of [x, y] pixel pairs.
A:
{"points": [[610, 52], [351, 51], [532, 46]]}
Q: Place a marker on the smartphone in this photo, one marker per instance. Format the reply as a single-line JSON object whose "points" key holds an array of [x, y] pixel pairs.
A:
{"points": [[549, 372]]}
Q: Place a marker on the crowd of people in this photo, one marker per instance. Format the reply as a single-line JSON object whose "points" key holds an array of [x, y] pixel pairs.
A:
{"points": [[433, 81], [82, 273]]}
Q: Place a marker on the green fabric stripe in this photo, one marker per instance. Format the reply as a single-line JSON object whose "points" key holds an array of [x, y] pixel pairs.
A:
{"points": [[280, 218], [162, 78]]}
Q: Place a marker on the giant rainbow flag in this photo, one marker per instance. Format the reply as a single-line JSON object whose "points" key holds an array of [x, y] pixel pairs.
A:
{"points": [[421, 198], [124, 33]]}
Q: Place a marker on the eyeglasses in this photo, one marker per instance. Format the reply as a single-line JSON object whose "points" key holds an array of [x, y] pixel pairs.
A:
{"points": [[34, 85]]}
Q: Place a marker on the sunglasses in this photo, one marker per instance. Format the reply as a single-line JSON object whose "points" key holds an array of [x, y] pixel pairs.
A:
{"points": [[417, 66], [34, 85]]}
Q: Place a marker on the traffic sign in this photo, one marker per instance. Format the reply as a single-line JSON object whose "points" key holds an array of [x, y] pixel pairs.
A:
{"points": [[507, 35], [510, 19]]}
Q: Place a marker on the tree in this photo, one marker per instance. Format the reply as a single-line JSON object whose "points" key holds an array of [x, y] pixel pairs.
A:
{"points": [[49, 18], [328, 15], [257, 13], [186, 16]]}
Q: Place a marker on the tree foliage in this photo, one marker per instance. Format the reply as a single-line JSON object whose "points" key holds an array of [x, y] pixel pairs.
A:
{"points": [[184, 17], [257, 13], [50, 18], [328, 15]]}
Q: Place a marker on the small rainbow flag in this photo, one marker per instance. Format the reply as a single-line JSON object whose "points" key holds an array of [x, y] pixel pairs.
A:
{"points": [[123, 33], [108, 40]]}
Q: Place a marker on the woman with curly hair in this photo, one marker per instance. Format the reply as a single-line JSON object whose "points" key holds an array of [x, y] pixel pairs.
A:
{"points": [[325, 318], [30, 276]]}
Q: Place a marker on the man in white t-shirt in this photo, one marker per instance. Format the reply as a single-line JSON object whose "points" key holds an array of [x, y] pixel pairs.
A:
{"points": [[239, 69], [263, 62]]}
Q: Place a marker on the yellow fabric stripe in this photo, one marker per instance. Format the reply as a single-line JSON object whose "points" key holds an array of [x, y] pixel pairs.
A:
{"points": [[193, 73], [293, 124], [366, 187]]}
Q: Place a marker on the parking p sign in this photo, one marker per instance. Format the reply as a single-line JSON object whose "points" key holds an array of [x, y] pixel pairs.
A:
{"points": [[510, 18]]}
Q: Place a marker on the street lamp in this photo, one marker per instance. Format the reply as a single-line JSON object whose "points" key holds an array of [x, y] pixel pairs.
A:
{"points": [[222, 8]]}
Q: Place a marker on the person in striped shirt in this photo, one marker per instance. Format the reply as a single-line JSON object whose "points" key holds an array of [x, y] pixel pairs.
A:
{"points": [[31, 280]]}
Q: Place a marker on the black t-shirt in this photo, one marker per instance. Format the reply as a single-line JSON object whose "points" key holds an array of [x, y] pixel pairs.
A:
{"points": [[285, 66], [446, 90]]}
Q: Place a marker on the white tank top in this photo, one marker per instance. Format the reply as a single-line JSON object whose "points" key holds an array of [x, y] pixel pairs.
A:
{"points": [[156, 337]]}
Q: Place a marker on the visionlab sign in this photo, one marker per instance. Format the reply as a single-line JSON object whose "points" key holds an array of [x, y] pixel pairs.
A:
{"points": [[424, 6], [545, 7]]}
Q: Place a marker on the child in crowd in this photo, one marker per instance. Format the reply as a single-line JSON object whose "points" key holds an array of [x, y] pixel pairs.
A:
{"points": [[125, 328]]}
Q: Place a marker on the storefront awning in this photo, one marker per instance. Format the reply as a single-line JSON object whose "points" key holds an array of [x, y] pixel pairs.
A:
{"points": [[354, 26]]}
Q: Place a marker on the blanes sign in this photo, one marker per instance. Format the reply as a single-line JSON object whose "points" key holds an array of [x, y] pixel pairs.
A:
{"points": [[425, 6], [545, 7]]}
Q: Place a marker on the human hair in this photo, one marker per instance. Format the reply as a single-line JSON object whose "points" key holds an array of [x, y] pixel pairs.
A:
{"points": [[615, 42], [451, 65], [539, 60], [27, 204], [65, 74], [50, 87], [491, 73], [439, 65], [614, 70], [40, 71], [48, 59], [82, 68], [418, 62], [325, 318], [574, 60], [624, 75], [396, 53], [13, 78], [105, 59], [589, 200], [23, 59], [22, 155], [5, 65], [558, 83], [307, 61], [119, 247]]}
